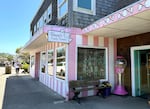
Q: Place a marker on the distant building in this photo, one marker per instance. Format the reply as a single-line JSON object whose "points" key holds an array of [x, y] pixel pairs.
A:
{"points": [[80, 40]]}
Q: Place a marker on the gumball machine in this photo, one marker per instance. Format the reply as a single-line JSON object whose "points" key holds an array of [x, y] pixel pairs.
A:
{"points": [[120, 66]]}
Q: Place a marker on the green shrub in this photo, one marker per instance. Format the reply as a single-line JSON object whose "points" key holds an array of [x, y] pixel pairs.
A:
{"points": [[25, 66]]}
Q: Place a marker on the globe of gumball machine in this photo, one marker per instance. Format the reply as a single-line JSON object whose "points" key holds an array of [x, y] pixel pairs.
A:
{"points": [[120, 66]]}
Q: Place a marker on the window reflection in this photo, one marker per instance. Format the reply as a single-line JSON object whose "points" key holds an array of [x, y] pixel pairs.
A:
{"points": [[50, 62], [43, 62], [91, 64], [61, 63]]}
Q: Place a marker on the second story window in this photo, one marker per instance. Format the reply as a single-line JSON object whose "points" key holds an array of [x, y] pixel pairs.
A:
{"points": [[85, 6], [45, 17], [62, 7], [49, 12], [35, 29]]}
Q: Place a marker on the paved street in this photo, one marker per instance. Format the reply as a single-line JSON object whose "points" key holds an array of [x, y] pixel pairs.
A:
{"points": [[23, 92]]}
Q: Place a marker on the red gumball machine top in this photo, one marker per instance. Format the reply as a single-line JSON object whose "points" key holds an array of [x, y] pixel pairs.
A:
{"points": [[120, 64]]}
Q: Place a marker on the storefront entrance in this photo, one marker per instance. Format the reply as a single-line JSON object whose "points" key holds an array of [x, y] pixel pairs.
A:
{"points": [[140, 58]]}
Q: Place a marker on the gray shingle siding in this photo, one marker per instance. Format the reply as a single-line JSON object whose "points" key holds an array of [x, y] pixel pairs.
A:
{"points": [[77, 19], [103, 8]]}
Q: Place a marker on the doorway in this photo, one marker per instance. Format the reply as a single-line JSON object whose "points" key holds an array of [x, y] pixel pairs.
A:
{"points": [[37, 65], [140, 67]]}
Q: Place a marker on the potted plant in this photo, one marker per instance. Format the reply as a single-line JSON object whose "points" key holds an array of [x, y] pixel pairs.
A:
{"points": [[107, 89]]}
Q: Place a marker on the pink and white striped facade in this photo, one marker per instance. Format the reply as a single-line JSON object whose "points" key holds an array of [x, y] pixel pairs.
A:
{"points": [[78, 40], [81, 38]]}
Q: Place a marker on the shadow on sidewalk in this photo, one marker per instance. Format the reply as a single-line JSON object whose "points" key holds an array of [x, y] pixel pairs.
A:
{"points": [[24, 92]]}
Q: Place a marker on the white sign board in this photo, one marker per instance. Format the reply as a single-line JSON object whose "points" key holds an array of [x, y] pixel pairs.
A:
{"points": [[57, 36]]}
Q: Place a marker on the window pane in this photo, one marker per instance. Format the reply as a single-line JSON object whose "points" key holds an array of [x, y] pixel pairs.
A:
{"points": [[32, 61], [84, 4], [91, 64], [43, 62], [60, 1], [50, 62], [61, 63], [49, 11], [63, 9]]}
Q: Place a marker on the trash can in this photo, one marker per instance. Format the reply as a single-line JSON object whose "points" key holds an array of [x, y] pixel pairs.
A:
{"points": [[7, 69]]}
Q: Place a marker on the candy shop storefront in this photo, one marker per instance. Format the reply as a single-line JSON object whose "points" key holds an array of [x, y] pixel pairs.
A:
{"points": [[60, 54]]}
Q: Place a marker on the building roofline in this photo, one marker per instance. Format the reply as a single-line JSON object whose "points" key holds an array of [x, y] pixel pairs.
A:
{"points": [[42, 2]]}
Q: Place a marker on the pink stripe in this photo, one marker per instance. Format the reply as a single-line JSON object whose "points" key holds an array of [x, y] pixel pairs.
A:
{"points": [[72, 59], [96, 41], [85, 40], [56, 85], [106, 42], [61, 88], [84, 93]]}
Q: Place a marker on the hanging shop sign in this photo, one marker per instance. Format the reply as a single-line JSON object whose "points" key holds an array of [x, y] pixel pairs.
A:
{"points": [[59, 36]]}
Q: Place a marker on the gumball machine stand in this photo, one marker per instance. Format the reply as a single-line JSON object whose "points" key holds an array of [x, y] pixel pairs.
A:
{"points": [[120, 66]]}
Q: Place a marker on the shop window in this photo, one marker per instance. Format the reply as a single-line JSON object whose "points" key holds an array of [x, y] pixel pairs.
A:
{"points": [[32, 61], [43, 62], [62, 8], [49, 12], [45, 17], [85, 6], [61, 63], [50, 62], [91, 63]]}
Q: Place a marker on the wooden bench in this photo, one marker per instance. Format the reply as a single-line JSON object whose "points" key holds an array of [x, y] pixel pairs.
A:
{"points": [[77, 86]]}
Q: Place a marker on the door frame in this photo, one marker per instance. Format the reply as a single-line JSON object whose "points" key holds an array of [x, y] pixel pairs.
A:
{"points": [[132, 50]]}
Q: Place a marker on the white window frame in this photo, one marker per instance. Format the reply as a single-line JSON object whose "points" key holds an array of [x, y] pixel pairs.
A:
{"points": [[83, 10], [59, 6], [106, 55]]}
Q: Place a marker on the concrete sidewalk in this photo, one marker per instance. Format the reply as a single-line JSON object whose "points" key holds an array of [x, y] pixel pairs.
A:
{"points": [[3, 78], [23, 92]]}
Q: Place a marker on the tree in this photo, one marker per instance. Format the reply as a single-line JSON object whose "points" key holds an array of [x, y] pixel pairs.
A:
{"points": [[10, 58], [18, 50], [24, 57]]}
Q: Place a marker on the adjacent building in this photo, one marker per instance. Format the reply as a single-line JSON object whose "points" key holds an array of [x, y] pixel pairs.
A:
{"points": [[80, 40]]}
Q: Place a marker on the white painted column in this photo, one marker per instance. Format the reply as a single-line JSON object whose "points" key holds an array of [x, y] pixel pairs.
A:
{"points": [[111, 62]]}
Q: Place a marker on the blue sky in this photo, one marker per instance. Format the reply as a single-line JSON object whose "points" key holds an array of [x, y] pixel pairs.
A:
{"points": [[15, 19]]}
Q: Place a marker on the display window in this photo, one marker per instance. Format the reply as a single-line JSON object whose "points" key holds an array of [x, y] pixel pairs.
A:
{"points": [[50, 62], [61, 63], [91, 63], [43, 62], [32, 61]]}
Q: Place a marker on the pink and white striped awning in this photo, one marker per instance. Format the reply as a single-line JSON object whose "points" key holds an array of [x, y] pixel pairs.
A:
{"points": [[131, 20]]}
